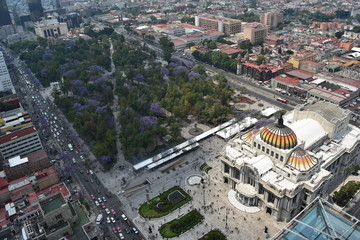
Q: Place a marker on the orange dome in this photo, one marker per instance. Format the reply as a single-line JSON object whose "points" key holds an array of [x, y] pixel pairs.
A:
{"points": [[300, 160], [279, 136]]}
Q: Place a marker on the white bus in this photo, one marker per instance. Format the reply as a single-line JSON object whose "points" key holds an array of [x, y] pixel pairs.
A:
{"points": [[99, 218], [70, 147]]}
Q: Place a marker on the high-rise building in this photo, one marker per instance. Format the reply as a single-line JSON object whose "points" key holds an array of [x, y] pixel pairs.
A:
{"points": [[5, 18], [255, 32], [271, 19], [36, 9], [5, 80], [222, 24]]}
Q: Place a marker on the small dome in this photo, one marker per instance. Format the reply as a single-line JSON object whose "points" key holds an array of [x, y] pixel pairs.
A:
{"points": [[300, 160], [279, 135], [248, 136]]}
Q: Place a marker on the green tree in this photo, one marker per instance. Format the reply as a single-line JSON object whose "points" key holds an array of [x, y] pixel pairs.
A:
{"points": [[339, 34], [167, 47], [260, 59], [290, 52]]}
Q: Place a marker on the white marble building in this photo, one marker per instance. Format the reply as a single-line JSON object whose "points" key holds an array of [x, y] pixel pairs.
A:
{"points": [[282, 167]]}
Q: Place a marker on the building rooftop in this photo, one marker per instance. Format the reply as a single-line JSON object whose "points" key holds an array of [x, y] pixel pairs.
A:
{"points": [[328, 111], [17, 134], [52, 204], [288, 80], [17, 161], [320, 220]]}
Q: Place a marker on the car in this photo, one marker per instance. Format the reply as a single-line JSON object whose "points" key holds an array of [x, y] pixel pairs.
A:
{"points": [[127, 230], [112, 219], [108, 220], [118, 229], [104, 199], [98, 191], [124, 217], [135, 230], [116, 217], [113, 211], [81, 171], [92, 196], [97, 182], [73, 160], [81, 157], [121, 236], [99, 199], [91, 180], [107, 211], [114, 229], [97, 203], [103, 206], [91, 172], [108, 194], [87, 171], [128, 223]]}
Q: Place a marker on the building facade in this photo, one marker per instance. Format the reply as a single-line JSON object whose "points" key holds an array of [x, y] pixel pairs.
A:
{"points": [[5, 80], [282, 167], [20, 143], [256, 32], [50, 28], [271, 19], [5, 18], [226, 25], [36, 10]]}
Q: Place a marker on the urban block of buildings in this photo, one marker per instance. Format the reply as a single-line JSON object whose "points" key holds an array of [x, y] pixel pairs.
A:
{"points": [[228, 26]]}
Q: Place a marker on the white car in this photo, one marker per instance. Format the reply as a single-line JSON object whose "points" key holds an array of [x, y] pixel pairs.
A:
{"points": [[124, 217], [107, 211], [97, 203], [112, 219], [107, 219], [121, 236], [135, 230], [104, 199], [100, 200], [74, 161]]}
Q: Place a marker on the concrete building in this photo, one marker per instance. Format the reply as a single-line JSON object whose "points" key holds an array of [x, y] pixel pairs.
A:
{"points": [[282, 167], [256, 32], [226, 25], [271, 19], [58, 216], [5, 18], [19, 143], [36, 9], [300, 57], [5, 80], [50, 27], [17, 167]]}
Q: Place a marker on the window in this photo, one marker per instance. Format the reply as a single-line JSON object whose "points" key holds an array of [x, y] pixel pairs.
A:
{"points": [[267, 151], [276, 155], [57, 217], [263, 148], [258, 146], [254, 144], [281, 158], [272, 153]]}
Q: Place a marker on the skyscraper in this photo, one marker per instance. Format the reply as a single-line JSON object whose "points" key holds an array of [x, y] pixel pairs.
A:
{"points": [[36, 9], [5, 80], [4, 14]]}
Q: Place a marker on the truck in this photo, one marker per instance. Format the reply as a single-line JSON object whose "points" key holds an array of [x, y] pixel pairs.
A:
{"points": [[70, 147], [99, 218]]}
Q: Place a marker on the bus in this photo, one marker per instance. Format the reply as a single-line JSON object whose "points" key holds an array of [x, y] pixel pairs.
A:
{"points": [[281, 100], [70, 147], [99, 218]]}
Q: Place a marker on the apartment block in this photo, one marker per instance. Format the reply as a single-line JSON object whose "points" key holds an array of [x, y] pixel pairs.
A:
{"points": [[226, 25], [5, 80], [256, 32], [271, 19], [20, 143]]}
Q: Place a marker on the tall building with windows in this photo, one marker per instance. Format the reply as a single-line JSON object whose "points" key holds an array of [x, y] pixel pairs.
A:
{"points": [[36, 10], [228, 26], [5, 80], [256, 32], [271, 19], [5, 18], [283, 167]]}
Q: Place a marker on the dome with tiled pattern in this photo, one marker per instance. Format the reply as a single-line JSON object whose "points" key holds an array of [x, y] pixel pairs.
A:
{"points": [[300, 160], [279, 135]]}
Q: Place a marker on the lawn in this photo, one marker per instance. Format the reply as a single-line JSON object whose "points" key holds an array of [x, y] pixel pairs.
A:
{"points": [[164, 203], [180, 225], [214, 235]]}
